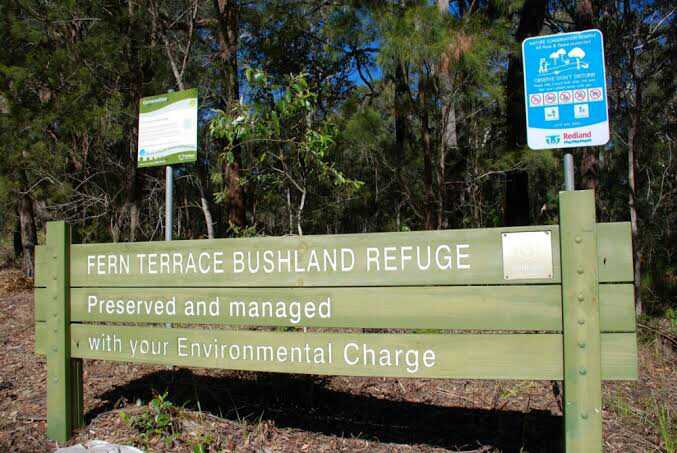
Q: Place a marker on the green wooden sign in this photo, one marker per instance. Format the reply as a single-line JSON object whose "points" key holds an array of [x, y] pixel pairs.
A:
{"points": [[542, 302]]}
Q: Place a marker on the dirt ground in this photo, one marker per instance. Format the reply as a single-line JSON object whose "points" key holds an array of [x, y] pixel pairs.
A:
{"points": [[267, 412]]}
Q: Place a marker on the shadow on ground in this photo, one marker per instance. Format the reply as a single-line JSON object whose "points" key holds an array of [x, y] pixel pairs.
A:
{"points": [[305, 403]]}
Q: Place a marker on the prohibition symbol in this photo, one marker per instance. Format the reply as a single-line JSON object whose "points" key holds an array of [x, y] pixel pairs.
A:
{"points": [[580, 95], [595, 94]]}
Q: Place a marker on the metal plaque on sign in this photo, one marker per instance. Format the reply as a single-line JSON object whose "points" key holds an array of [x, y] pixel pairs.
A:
{"points": [[527, 255]]}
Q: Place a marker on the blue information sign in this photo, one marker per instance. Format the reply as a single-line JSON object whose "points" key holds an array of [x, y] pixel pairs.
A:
{"points": [[565, 90]]}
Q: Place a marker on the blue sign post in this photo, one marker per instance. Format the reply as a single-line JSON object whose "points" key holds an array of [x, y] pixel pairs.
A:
{"points": [[565, 90]]}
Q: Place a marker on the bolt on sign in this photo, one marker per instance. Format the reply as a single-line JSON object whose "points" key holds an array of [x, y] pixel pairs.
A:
{"points": [[551, 302], [168, 129], [565, 90]]}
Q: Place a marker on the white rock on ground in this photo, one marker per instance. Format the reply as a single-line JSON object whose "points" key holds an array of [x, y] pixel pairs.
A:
{"points": [[98, 446]]}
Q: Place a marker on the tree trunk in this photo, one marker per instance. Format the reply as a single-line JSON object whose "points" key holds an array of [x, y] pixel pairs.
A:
{"points": [[531, 21], [28, 230], [448, 141], [584, 18], [633, 136], [228, 31], [517, 211], [299, 213], [401, 122], [134, 220], [205, 201], [134, 195], [16, 237], [427, 154], [448, 136]]}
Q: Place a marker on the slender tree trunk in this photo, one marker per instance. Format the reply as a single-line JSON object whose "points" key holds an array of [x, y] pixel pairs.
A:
{"points": [[530, 24], [290, 211], [299, 213], [517, 211], [134, 191], [27, 227], [16, 237], [135, 175], [448, 136], [427, 154], [584, 20], [401, 122], [205, 201], [633, 139], [441, 176], [228, 31], [517, 196]]}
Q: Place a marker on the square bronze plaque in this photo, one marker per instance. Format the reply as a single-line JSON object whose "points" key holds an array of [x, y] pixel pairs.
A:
{"points": [[527, 255]]}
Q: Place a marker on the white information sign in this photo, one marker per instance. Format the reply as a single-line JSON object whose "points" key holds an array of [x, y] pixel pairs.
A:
{"points": [[168, 129]]}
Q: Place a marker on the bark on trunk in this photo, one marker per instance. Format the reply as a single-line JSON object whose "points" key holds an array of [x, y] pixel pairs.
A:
{"points": [[633, 137], [584, 19], [427, 155], [517, 202], [517, 212], [401, 120], [205, 201], [28, 232], [449, 138], [16, 237], [227, 14], [531, 21], [134, 197]]}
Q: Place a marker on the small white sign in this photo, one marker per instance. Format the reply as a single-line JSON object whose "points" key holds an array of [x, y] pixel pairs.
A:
{"points": [[581, 111], [551, 113], [527, 255]]}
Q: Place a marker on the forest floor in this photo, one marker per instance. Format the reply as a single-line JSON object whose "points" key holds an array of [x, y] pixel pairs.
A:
{"points": [[266, 412]]}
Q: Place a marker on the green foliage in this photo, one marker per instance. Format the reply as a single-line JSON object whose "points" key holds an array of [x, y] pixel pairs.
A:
{"points": [[289, 149], [157, 419], [338, 121]]}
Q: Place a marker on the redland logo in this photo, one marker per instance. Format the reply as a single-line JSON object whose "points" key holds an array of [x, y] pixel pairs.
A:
{"points": [[577, 135]]}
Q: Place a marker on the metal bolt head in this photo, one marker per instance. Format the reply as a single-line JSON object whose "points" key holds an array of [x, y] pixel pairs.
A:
{"points": [[584, 415], [581, 321], [579, 270], [583, 371], [581, 297], [578, 239], [581, 344]]}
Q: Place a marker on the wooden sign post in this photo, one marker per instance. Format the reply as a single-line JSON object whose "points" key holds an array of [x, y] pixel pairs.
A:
{"points": [[550, 302]]}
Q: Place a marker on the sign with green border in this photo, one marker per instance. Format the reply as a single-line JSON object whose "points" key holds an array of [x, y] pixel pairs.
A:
{"points": [[168, 129]]}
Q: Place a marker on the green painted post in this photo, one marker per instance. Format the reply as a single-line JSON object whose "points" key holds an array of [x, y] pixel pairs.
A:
{"points": [[60, 378], [580, 318], [77, 394], [77, 398]]}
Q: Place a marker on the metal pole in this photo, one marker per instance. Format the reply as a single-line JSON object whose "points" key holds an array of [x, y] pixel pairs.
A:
{"points": [[569, 185], [169, 202]]}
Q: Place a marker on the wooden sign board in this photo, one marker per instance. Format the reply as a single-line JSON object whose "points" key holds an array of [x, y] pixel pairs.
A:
{"points": [[503, 303]]}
